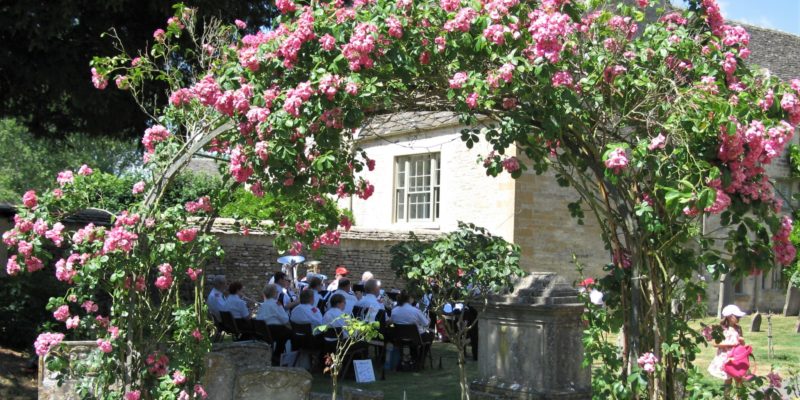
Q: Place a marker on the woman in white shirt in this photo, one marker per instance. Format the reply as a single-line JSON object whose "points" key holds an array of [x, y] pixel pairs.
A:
{"points": [[270, 311], [234, 304]]}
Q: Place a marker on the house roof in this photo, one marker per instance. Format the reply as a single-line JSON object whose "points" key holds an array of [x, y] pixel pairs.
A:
{"points": [[407, 122], [777, 51]]}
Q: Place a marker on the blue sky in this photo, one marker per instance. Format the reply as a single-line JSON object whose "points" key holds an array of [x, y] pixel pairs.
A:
{"points": [[783, 15]]}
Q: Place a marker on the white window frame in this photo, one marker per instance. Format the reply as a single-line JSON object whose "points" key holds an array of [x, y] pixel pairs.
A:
{"points": [[403, 196]]}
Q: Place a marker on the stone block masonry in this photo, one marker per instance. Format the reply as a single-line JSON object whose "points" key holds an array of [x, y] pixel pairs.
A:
{"points": [[251, 259]]}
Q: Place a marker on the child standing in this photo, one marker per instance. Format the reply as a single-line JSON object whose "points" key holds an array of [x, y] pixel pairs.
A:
{"points": [[732, 333]]}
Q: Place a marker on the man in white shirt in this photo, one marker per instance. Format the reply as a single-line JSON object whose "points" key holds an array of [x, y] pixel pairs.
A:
{"points": [[234, 304], [334, 316], [370, 299], [286, 297], [306, 312], [341, 273], [277, 320], [216, 297], [349, 299]]}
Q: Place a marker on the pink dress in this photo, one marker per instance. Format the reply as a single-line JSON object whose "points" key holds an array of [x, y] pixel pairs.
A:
{"points": [[717, 364]]}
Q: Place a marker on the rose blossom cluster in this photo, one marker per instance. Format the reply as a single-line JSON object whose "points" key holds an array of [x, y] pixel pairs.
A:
{"points": [[362, 44], [154, 135], [647, 362], [548, 31], [201, 204], [746, 151], [157, 363], [119, 238], [164, 281], [46, 341], [187, 235], [617, 160], [783, 247]]}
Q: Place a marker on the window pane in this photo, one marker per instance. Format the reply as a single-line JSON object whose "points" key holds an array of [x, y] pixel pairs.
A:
{"points": [[400, 198]]}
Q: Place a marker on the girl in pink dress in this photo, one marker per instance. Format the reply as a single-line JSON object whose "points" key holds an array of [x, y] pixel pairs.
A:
{"points": [[732, 333]]}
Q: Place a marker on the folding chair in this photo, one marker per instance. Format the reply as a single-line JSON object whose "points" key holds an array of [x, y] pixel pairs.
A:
{"points": [[229, 325], [261, 332], [304, 341], [407, 335]]}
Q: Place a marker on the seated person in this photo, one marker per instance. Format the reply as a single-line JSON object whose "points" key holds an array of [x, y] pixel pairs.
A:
{"points": [[369, 302], [270, 311], [344, 290], [277, 320], [286, 297], [216, 297], [306, 312], [315, 285], [406, 314], [234, 303], [333, 317], [341, 273]]}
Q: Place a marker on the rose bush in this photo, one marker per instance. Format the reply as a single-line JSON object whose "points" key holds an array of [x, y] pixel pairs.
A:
{"points": [[657, 124]]}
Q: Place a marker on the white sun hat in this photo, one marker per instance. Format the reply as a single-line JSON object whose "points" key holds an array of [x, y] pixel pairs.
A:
{"points": [[732, 309]]}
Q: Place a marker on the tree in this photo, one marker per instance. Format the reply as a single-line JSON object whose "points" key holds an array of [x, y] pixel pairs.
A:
{"points": [[43, 158], [47, 46], [354, 333], [654, 131], [465, 266]]}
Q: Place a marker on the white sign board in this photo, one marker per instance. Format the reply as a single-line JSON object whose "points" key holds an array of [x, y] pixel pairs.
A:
{"points": [[364, 371]]}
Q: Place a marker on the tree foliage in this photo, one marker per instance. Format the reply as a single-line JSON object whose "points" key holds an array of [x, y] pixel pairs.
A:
{"points": [[465, 266], [47, 46], [30, 162]]}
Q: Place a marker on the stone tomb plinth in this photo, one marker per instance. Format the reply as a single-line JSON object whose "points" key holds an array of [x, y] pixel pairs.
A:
{"points": [[530, 344]]}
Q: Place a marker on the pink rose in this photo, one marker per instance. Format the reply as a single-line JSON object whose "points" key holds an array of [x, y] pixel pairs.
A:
{"points": [[29, 199], [46, 341], [134, 395], [617, 160], [240, 24], [61, 313], [178, 378], [65, 177], [138, 187], [458, 80], [658, 142], [100, 82], [187, 235], [85, 170], [159, 35], [12, 268], [104, 345], [73, 322]]}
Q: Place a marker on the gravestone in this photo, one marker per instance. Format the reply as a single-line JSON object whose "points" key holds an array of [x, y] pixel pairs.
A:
{"points": [[530, 344], [48, 387], [755, 325], [273, 383]]}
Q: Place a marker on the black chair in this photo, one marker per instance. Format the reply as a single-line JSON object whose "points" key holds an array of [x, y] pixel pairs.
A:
{"points": [[304, 341], [407, 335], [358, 312], [280, 335], [261, 332], [229, 324], [331, 339]]}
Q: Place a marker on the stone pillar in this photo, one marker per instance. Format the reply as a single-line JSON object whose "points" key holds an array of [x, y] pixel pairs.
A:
{"points": [[530, 344], [48, 381]]}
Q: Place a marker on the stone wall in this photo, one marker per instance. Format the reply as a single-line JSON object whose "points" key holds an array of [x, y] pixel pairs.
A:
{"points": [[251, 259]]}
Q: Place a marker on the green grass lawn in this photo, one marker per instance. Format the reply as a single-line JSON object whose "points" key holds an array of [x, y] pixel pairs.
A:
{"points": [[786, 345], [426, 384], [443, 384]]}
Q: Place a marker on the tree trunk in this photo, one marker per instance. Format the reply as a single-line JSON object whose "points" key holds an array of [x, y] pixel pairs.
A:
{"points": [[462, 370], [791, 305], [725, 294], [754, 297]]}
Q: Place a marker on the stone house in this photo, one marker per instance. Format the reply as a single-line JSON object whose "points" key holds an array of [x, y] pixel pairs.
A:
{"points": [[426, 180]]}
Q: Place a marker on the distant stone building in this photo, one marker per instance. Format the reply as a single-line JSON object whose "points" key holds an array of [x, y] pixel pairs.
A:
{"points": [[426, 180]]}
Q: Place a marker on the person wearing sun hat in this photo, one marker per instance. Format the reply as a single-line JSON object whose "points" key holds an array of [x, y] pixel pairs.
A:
{"points": [[732, 334], [341, 272]]}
